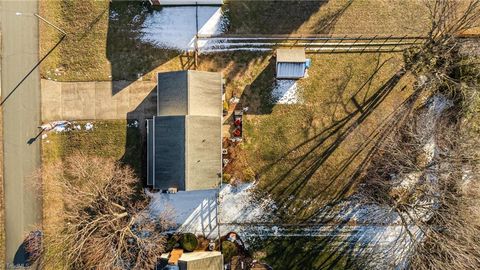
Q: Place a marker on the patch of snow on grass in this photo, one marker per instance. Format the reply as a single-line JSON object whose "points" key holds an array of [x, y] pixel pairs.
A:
{"points": [[196, 211], [88, 126], [176, 27], [239, 205], [113, 15], [285, 92]]}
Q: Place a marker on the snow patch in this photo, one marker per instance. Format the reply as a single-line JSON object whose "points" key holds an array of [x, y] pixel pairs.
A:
{"points": [[113, 15], [196, 211], [88, 126], [133, 124], [239, 204], [285, 92], [176, 27]]}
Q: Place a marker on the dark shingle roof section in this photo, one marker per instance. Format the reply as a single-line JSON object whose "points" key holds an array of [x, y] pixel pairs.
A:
{"points": [[169, 159], [172, 89]]}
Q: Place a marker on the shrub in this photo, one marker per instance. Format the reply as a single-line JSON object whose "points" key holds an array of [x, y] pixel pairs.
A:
{"points": [[189, 242], [226, 178], [229, 250]]}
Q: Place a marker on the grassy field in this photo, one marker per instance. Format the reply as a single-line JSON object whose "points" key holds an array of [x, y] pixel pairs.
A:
{"points": [[312, 151], [306, 253], [103, 37], [341, 17], [109, 138]]}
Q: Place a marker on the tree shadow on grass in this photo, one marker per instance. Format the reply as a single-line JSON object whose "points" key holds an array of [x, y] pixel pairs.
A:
{"points": [[296, 174], [257, 96], [129, 56], [335, 240], [279, 17]]}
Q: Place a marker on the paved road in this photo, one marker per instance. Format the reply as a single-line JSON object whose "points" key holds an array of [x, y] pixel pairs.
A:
{"points": [[21, 112]]}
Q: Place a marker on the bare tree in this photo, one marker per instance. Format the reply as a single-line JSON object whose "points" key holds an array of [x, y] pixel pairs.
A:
{"points": [[104, 221], [428, 169]]}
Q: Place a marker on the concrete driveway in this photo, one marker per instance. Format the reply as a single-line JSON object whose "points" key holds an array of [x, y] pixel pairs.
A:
{"points": [[21, 116]]}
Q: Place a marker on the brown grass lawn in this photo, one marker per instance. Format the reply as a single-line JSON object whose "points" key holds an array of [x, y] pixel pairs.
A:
{"points": [[342, 17], [310, 151], [101, 46], [97, 47], [111, 139]]}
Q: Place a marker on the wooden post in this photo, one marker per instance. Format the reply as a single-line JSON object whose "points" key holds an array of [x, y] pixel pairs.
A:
{"points": [[195, 53]]}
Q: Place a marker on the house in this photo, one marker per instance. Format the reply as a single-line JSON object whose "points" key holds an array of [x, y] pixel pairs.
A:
{"points": [[184, 138], [204, 260], [291, 63], [186, 2]]}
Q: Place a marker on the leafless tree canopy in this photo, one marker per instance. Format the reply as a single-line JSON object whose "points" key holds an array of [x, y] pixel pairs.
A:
{"points": [[104, 221], [428, 170]]}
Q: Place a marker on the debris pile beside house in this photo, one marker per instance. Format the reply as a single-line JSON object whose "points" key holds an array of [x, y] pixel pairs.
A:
{"points": [[237, 133]]}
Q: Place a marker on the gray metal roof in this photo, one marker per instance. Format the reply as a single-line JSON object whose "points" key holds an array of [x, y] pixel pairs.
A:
{"points": [[290, 70], [169, 152], [184, 140]]}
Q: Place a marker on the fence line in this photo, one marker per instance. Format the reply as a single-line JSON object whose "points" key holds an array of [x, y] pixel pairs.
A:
{"points": [[330, 44]]}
